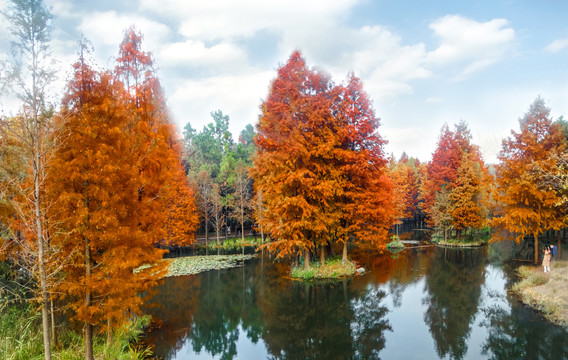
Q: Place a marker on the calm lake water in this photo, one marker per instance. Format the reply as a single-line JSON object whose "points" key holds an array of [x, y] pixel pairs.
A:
{"points": [[424, 303]]}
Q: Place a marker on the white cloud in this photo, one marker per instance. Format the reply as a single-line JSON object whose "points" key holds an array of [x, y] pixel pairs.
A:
{"points": [[106, 30], [224, 56], [238, 96], [212, 20], [557, 45], [433, 100], [475, 44]]}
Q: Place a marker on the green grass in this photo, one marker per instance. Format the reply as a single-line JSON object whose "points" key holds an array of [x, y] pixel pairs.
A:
{"points": [[234, 243], [21, 338], [395, 243], [333, 268]]}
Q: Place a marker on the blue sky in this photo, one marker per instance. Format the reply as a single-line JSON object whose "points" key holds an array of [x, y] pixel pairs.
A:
{"points": [[423, 63]]}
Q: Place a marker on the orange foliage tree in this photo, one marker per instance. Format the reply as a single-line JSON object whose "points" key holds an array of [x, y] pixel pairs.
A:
{"points": [[470, 196], [95, 181], [294, 145], [119, 189], [366, 202], [157, 152], [320, 164], [406, 179], [524, 208], [182, 219]]}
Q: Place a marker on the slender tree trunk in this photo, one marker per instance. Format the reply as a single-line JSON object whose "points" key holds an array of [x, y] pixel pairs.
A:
{"points": [[52, 313], [41, 255], [88, 328], [261, 234], [536, 259], [306, 259], [218, 243], [344, 257], [242, 225], [207, 230], [109, 331], [322, 254], [558, 244]]}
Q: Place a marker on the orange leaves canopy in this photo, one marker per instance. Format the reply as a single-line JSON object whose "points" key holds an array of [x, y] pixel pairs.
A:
{"points": [[118, 185], [524, 208], [320, 164]]}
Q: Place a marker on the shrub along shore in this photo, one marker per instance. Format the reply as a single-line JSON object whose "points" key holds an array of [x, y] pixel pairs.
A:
{"points": [[545, 292], [333, 268]]}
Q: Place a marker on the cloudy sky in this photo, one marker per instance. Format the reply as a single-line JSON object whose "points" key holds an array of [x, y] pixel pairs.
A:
{"points": [[424, 63]]}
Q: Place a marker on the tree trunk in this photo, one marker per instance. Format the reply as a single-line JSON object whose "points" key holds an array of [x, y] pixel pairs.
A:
{"points": [[218, 243], [536, 259], [261, 234], [558, 245], [242, 226], [109, 331], [306, 259], [322, 255], [207, 231], [88, 328], [52, 313], [41, 257], [344, 257]]}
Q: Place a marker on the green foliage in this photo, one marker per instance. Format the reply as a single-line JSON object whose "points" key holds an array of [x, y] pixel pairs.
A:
{"points": [[333, 268], [21, 338], [395, 243], [206, 150], [20, 334], [300, 273]]}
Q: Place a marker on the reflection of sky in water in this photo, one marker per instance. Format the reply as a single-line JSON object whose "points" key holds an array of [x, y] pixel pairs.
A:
{"points": [[246, 349], [407, 331]]}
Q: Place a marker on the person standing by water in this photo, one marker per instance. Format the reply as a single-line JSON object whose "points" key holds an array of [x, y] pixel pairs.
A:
{"points": [[546, 259], [553, 252]]}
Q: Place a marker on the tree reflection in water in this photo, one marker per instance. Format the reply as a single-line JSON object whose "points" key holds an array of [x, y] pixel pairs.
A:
{"points": [[293, 319], [517, 332], [425, 303], [453, 290]]}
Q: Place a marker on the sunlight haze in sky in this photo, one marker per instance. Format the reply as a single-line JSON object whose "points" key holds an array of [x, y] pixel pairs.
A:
{"points": [[423, 63]]}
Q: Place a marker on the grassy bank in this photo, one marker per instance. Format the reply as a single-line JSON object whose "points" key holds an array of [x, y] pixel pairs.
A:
{"points": [[234, 243], [395, 244], [331, 269], [461, 243], [21, 338], [545, 292]]}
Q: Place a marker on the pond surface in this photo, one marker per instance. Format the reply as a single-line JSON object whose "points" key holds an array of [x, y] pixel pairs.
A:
{"points": [[424, 303]]}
